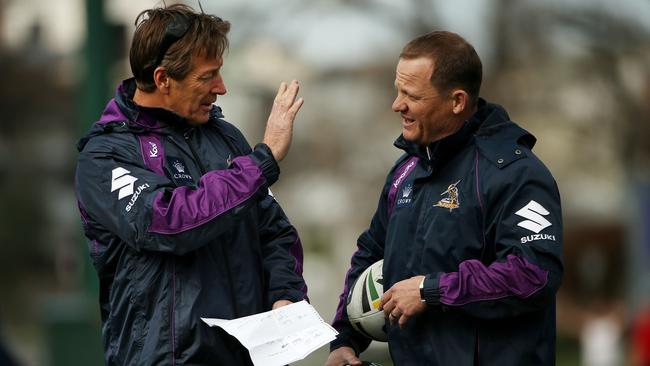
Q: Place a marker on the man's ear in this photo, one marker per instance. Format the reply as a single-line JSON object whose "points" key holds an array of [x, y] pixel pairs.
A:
{"points": [[460, 100], [161, 79]]}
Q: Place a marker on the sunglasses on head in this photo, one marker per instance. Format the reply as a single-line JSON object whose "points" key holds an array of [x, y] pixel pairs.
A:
{"points": [[174, 31]]}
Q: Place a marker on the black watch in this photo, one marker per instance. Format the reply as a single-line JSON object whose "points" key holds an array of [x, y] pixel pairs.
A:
{"points": [[422, 290]]}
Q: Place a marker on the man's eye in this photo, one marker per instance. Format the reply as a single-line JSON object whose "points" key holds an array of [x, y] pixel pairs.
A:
{"points": [[206, 76]]}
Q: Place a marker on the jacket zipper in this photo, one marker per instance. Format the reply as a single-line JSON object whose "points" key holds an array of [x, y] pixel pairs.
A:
{"points": [[187, 136]]}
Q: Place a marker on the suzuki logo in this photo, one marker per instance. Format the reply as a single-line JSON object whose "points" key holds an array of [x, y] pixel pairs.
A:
{"points": [[123, 181], [535, 213]]}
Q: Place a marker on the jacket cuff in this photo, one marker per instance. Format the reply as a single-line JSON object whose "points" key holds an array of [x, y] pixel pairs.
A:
{"points": [[431, 290], [263, 157], [289, 294]]}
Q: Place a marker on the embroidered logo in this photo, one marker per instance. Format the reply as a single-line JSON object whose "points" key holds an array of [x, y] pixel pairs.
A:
{"points": [[535, 213], [451, 201], [179, 166], [407, 191], [153, 150], [123, 181], [406, 198], [179, 171]]}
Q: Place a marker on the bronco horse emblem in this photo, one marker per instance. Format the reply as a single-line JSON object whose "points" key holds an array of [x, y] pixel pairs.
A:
{"points": [[451, 201]]}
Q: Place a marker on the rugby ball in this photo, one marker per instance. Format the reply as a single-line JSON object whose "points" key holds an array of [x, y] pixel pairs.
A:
{"points": [[363, 303]]}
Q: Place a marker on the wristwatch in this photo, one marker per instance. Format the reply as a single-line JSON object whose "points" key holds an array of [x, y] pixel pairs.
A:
{"points": [[422, 289]]}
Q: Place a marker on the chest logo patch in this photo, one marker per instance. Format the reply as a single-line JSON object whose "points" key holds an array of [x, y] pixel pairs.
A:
{"points": [[451, 201], [405, 197], [179, 171]]}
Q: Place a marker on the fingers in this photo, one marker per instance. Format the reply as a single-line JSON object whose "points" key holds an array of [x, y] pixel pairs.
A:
{"points": [[394, 317], [403, 320], [296, 106], [387, 304], [342, 356], [292, 92], [279, 126], [286, 99], [287, 93], [281, 89]]}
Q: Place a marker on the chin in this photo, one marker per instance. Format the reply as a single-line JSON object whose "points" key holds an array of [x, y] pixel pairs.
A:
{"points": [[410, 136], [199, 120]]}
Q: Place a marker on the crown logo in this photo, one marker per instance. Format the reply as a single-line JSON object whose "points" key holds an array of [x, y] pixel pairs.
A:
{"points": [[179, 166]]}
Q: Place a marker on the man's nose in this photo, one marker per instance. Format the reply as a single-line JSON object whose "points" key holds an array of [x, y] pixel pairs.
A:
{"points": [[219, 86], [398, 104]]}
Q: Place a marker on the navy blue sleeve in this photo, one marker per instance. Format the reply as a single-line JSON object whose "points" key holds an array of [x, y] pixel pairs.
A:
{"points": [[282, 254], [282, 251]]}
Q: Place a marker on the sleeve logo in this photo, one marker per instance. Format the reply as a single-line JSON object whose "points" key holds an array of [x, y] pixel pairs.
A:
{"points": [[535, 213], [123, 181]]}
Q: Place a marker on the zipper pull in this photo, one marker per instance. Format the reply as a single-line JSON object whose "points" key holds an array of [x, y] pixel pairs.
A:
{"points": [[187, 133]]}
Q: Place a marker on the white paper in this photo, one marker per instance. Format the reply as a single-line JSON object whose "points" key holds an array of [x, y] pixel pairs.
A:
{"points": [[279, 336]]}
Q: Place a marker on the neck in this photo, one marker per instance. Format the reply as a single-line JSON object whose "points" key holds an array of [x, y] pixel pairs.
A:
{"points": [[150, 100], [456, 123]]}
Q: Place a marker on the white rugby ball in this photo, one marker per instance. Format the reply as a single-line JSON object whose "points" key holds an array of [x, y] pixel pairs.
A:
{"points": [[363, 303]]}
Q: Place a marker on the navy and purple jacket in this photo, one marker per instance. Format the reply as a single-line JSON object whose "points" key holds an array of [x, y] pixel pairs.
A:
{"points": [[479, 215], [181, 225]]}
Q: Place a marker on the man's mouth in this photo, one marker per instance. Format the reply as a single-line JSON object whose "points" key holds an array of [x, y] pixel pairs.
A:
{"points": [[406, 121], [207, 106]]}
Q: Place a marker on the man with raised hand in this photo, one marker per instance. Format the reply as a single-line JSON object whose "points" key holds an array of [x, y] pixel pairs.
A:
{"points": [[176, 205]]}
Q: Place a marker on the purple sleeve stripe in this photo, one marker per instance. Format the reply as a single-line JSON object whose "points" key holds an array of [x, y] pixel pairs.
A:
{"points": [[218, 192], [475, 282]]}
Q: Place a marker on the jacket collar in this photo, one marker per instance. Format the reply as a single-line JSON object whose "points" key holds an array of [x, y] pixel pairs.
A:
{"points": [[123, 108], [440, 151], [490, 125], [123, 114]]}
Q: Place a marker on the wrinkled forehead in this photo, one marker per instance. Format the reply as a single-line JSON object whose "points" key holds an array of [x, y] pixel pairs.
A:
{"points": [[414, 71], [203, 61]]}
